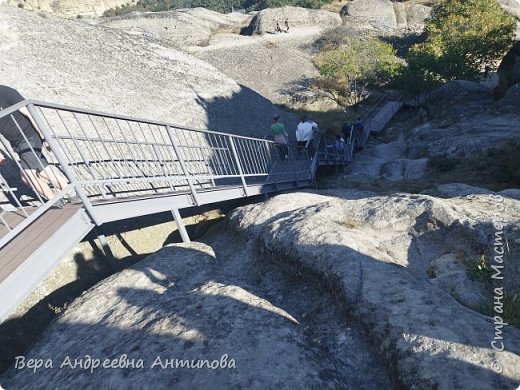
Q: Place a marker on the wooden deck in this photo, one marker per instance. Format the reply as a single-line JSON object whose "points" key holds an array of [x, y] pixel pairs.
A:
{"points": [[20, 248], [13, 219]]}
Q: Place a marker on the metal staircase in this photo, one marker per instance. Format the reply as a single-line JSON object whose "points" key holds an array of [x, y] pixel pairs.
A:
{"points": [[122, 167]]}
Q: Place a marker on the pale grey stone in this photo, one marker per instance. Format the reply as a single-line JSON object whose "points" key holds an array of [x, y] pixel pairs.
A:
{"points": [[374, 253]]}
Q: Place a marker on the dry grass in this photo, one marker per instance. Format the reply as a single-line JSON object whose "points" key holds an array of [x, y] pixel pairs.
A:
{"points": [[335, 6], [494, 170], [349, 224]]}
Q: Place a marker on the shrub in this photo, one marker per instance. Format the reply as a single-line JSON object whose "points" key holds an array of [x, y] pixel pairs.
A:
{"points": [[346, 70], [443, 163], [462, 37]]}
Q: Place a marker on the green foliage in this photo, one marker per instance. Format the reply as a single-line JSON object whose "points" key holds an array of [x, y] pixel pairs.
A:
{"points": [[480, 270], [462, 37], [215, 5], [496, 169], [347, 69], [262, 4], [506, 162]]}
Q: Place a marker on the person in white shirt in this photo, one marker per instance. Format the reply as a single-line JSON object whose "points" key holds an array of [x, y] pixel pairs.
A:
{"points": [[304, 134]]}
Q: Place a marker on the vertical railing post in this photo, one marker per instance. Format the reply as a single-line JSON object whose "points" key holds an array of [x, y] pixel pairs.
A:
{"points": [[173, 140], [56, 150], [239, 166]]}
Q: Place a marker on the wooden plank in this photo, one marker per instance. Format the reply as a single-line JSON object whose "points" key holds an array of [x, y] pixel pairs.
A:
{"points": [[13, 218], [21, 247]]}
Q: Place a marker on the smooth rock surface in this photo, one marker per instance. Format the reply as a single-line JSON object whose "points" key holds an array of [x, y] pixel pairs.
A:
{"points": [[451, 275], [375, 250], [50, 59], [179, 28], [199, 301], [379, 13], [265, 20], [71, 8]]}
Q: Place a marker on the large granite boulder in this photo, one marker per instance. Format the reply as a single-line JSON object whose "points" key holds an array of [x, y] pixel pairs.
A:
{"points": [[378, 13], [265, 20], [378, 252], [411, 15], [508, 71]]}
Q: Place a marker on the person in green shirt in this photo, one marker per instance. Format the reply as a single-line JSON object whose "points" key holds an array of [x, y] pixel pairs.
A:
{"points": [[280, 137]]}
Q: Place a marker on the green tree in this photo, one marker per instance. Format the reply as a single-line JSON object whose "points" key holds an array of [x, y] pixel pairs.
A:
{"points": [[462, 37], [346, 70]]}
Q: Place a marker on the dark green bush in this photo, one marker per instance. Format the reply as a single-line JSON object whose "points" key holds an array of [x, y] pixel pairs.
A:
{"points": [[215, 5], [443, 163]]}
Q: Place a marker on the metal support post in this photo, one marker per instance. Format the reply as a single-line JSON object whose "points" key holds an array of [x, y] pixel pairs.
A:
{"points": [[180, 225], [173, 140], [46, 132], [239, 166], [109, 255]]}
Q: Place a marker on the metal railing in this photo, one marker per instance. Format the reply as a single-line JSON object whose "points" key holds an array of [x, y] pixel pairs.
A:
{"points": [[336, 150], [105, 158]]}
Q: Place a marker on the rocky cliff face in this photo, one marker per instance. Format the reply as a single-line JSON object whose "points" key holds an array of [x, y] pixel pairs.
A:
{"points": [[51, 59]]}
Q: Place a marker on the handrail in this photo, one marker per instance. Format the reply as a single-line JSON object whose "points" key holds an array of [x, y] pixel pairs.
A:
{"points": [[113, 116], [106, 156]]}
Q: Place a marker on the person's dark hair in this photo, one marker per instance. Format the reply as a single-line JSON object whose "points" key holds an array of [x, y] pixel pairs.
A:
{"points": [[303, 118], [276, 118]]}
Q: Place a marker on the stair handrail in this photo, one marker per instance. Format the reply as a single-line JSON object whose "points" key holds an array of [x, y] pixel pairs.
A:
{"points": [[201, 158]]}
